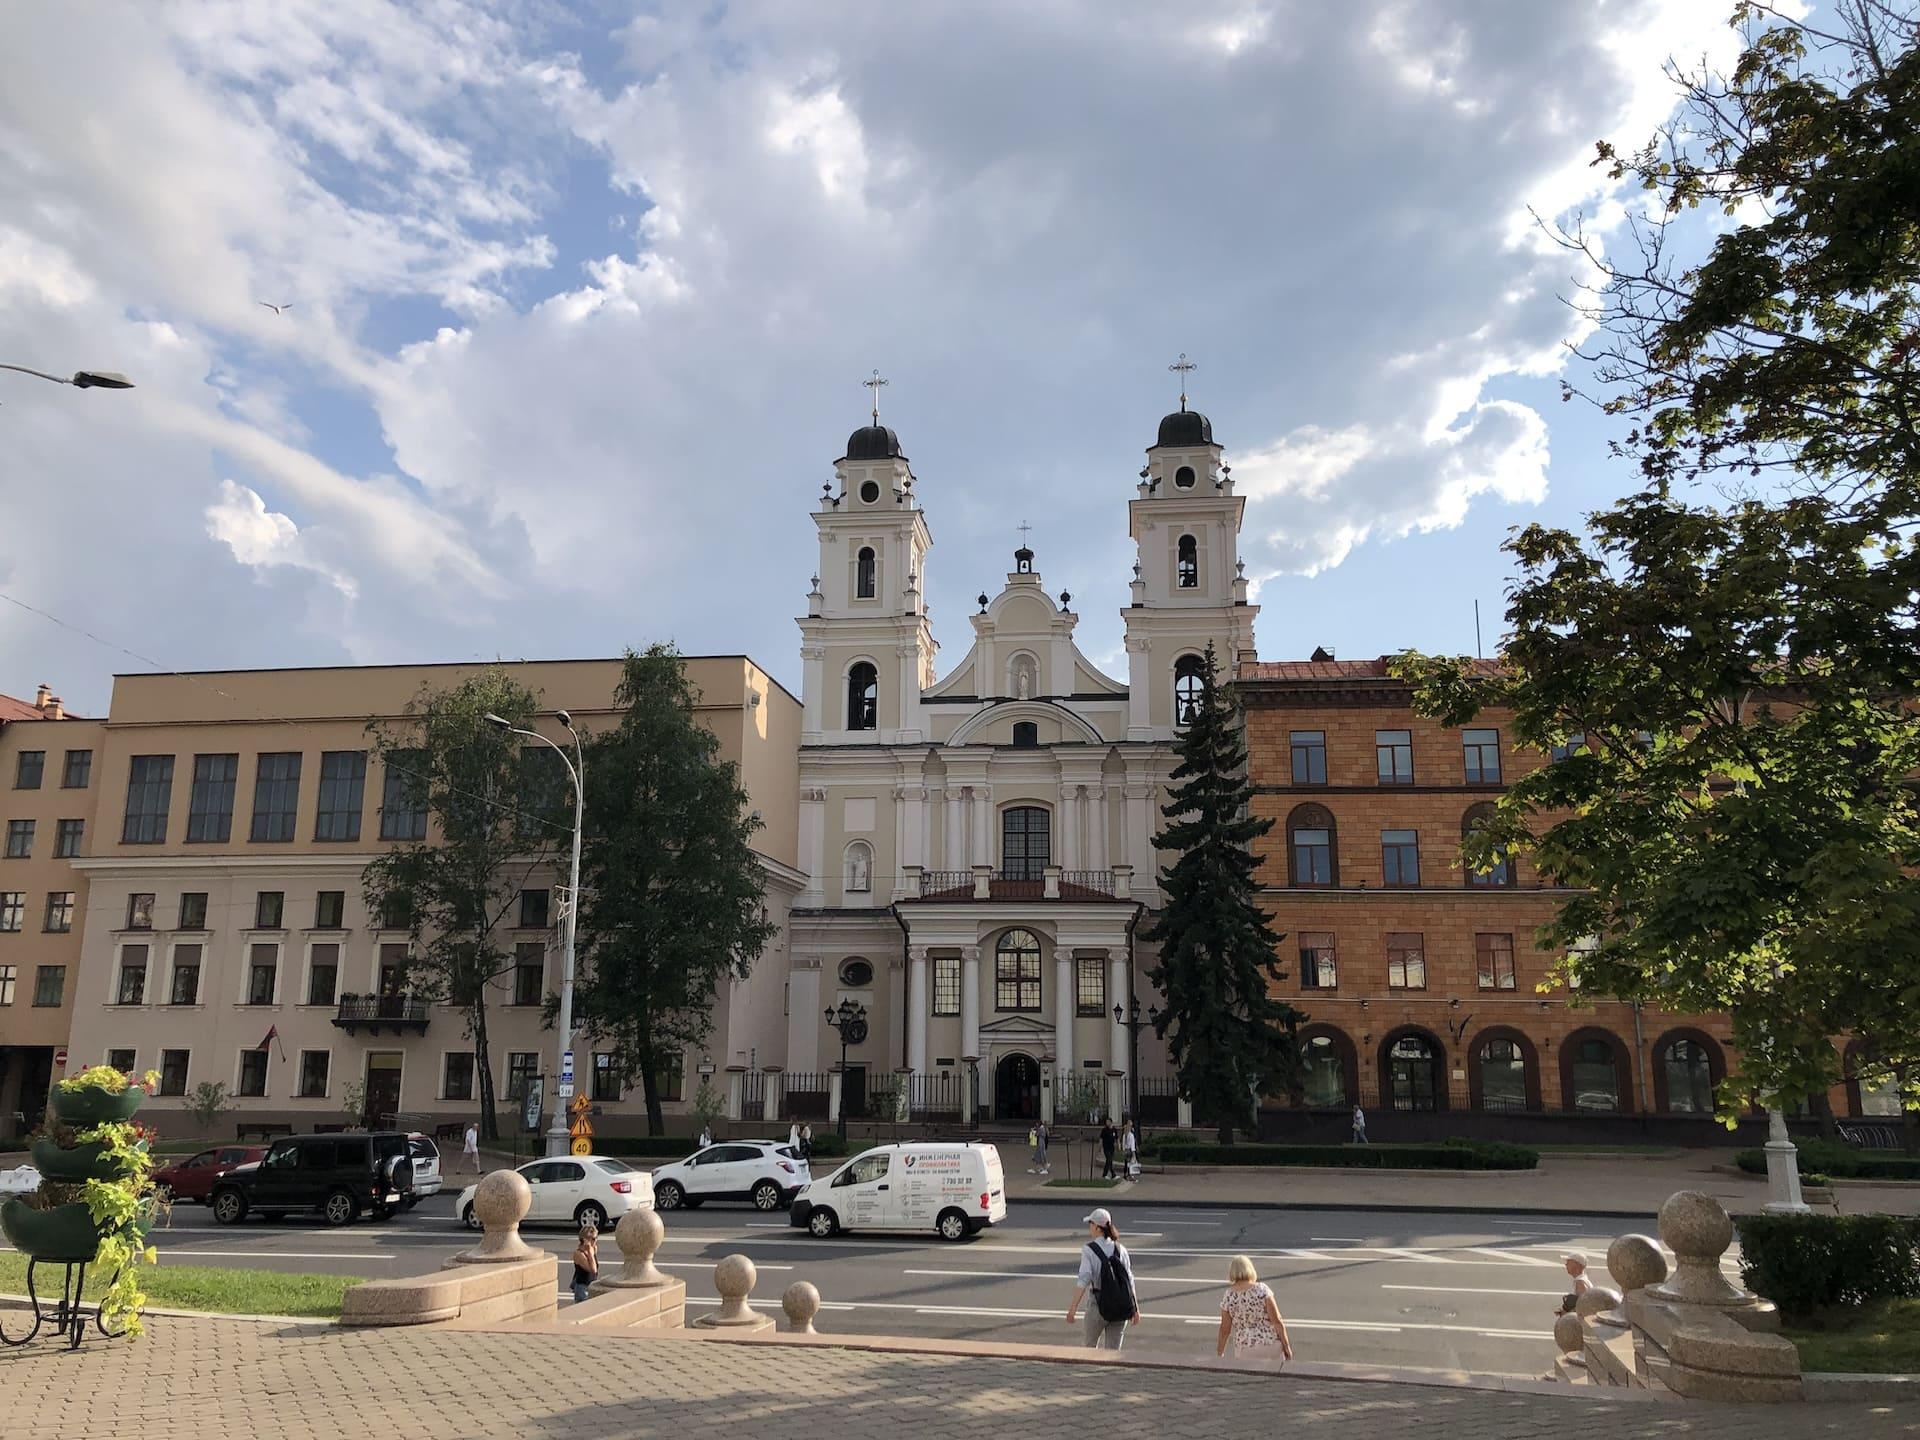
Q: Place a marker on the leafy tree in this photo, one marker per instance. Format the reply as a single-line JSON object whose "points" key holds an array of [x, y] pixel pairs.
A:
{"points": [[208, 1103], [1230, 1037], [671, 886], [454, 890]]}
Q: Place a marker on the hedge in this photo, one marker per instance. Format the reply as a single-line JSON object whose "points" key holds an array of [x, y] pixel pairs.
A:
{"points": [[1830, 1157], [1805, 1263], [1449, 1155]]}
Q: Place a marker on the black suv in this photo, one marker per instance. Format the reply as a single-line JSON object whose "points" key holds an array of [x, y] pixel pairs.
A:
{"points": [[338, 1175]]}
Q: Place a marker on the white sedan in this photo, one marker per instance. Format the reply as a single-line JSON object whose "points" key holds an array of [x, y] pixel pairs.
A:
{"points": [[575, 1189]]}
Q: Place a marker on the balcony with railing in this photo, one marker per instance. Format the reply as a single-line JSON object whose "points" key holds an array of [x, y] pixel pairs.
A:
{"points": [[402, 1014], [1051, 883]]}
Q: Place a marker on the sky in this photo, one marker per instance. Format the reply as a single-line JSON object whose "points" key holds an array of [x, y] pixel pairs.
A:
{"points": [[579, 299]]}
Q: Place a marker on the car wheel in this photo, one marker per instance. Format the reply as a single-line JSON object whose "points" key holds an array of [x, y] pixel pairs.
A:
{"points": [[229, 1207], [668, 1195], [468, 1218], [766, 1196], [591, 1212], [953, 1225], [823, 1224], [338, 1208]]}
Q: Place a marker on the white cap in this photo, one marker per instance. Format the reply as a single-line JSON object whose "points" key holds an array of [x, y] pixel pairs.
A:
{"points": [[1576, 1256], [1098, 1217]]}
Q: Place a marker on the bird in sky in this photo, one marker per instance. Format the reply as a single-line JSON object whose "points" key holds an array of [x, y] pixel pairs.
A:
{"points": [[276, 309]]}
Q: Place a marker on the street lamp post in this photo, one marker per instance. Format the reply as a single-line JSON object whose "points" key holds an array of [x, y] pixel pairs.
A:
{"points": [[80, 379], [576, 771], [850, 1020], [1130, 1018]]}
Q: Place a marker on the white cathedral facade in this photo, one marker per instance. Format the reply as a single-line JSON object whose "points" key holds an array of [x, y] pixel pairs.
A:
{"points": [[977, 845]]}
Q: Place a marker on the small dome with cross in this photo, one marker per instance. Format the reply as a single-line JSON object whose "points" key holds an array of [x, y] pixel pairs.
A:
{"points": [[1185, 427], [874, 442]]}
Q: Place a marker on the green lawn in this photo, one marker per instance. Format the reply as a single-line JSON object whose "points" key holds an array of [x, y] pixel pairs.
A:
{"points": [[205, 1287], [1081, 1184], [1883, 1337]]}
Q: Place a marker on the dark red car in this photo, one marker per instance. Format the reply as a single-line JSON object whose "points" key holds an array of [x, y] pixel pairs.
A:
{"points": [[192, 1178]]}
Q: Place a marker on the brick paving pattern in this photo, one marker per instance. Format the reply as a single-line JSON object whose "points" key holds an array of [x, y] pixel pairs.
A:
{"points": [[216, 1379]]}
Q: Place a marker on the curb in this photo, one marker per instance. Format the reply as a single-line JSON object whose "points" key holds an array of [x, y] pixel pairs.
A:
{"points": [[1384, 1207]]}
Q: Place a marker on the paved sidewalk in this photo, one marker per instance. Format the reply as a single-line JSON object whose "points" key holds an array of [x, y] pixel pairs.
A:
{"points": [[237, 1380]]}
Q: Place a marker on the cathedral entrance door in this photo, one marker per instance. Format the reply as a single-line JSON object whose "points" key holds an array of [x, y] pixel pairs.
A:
{"points": [[1016, 1088]]}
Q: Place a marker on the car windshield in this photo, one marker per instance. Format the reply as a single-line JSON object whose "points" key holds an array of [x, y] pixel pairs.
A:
{"points": [[612, 1166]]}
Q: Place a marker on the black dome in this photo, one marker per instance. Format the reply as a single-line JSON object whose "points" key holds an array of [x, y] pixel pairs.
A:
{"points": [[873, 442], [1185, 427]]}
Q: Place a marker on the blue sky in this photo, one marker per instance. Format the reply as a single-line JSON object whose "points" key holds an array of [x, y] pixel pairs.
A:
{"points": [[582, 298]]}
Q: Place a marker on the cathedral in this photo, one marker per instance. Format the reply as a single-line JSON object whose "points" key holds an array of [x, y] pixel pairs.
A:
{"points": [[977, 845]]}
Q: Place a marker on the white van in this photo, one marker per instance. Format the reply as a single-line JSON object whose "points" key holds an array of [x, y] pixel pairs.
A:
{"points": [[952, 1188]]}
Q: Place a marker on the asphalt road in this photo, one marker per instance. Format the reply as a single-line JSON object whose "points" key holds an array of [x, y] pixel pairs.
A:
{"points": [[1447, 1291]]}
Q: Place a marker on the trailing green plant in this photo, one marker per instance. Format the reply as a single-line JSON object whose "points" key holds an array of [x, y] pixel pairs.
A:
{"points": [[1806, 1263], [107, 1078], [118, 1196]]}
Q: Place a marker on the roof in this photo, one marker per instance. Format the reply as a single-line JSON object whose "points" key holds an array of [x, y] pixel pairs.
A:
{"points": [[1374, 669], [1185, 427], [12, 709]]}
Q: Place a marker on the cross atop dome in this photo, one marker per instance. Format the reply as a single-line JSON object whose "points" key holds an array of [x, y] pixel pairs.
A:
{"points": [[1183, 367]]}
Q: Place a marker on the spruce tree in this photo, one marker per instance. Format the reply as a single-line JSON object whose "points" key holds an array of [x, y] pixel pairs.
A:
{"points": [[1231, 1038]]}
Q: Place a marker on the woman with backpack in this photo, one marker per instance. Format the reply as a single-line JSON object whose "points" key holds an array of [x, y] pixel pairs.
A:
{"points": [[1107, 1270]]}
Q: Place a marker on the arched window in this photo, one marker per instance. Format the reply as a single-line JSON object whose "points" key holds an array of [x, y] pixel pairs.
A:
{"points": [[1323, 1073], [1501, 875], [1183, 477], [1016, 972], [863, 697], [1412, 1065], [1503, 1075], [863, 573], [859, 868], [1593, 1073], [1688, 1070], [1026, 735], [1024, 842], [1189, 569], [1189, 684], [1311, 851]]}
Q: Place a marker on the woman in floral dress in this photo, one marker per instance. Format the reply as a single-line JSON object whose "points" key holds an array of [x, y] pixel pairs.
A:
{"points": [[1249, 1317]]}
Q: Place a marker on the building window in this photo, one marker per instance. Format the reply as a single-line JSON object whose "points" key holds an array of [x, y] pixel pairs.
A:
{"points": [[133, 976], [67, 835], [330, 910], [173, 1072], [1310, 847], [1318, 969], [1406, 962], [1413, 1074], [1400, 857], [9, 977], [1323, 1079], [946, 984], [269, 907], [1393, 756], [263, 964], [1482, 753], [458, 1084], [19, 839], [1188, 565], [864, 577], [1016, 972], [535, 909], [1089, 986], [1189, 686], [856, 973], [140, 911], [186, 976], [59, 912], [529, 972], [522, 1067], [1501, 874], [606, 1076], [343, 790], [1025, 842], [858, 874], [253, 1073], [1493, 956], [1183, 477], [13, 911], [863, 697], [121, 1060], [1503, 1075], [1595, 1076], [1026, 735], [193, 910], [669, 1079], [1575, 742], [403, 796], [29, 767], [323, 974], [149, 794], [1309, 749], [276, 796], [1690, 1078], [395, 960], [210, 801], [78, 771], [49, 985], [313, 1074]]}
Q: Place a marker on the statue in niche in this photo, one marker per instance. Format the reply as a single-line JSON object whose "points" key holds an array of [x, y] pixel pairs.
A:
{"points": [[1023, 678], [858, 869]]}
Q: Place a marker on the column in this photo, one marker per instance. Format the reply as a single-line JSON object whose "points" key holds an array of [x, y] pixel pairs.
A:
{"points": [[813, 839], [834, 1082], [1117, 995], [813, 687], [1070, 828], [1140, 683], [1098, 857], [955, 808], [982, 826], [803, 1015], [908, 831], [917, 1008], [736, 1084], [1139, 836], [970, 1001], [1063, 1008]]}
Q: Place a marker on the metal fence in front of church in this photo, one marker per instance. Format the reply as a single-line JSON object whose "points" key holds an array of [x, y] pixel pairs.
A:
{"points": [[935, 1097], [808, 1095]]}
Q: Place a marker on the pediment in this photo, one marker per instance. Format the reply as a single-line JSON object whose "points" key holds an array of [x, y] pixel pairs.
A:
{"points": [[1017, 1025]]}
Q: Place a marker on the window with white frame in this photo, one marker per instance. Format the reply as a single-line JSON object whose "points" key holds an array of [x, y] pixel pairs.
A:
{"points": [[314, 1065], [132, 987], [263, 969], [253, 1074], [185, 986]]}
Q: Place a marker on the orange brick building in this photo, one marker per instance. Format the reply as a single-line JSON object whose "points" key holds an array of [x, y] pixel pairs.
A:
{"points": [[1420, 981]]}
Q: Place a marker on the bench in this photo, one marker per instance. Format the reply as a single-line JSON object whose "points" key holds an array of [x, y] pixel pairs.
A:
{"points": [[452, 1130], [265, 1129]]}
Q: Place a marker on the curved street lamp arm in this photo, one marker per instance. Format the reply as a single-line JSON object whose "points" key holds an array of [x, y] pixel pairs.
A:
{"points": [[56, 379]]}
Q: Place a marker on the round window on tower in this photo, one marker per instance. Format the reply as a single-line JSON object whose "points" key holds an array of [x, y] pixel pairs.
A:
{"points": [[869, 492], [857, 973], [1183, 477]]}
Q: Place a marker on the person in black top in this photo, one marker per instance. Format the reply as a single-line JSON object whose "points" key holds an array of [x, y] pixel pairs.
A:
{"points": [[1109, 1137], [586, 1261]]}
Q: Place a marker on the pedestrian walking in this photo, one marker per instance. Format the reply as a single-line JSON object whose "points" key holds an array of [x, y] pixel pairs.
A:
{"points": [[1109, 1137], [470, 1146], [1033, 1149], [1129, 1151], [1249, 1316], [806, 1142], [706, 1136], [1359, 1126], [1107, 1270], [1576, 1264], [586, 1261], [793, 1137]]}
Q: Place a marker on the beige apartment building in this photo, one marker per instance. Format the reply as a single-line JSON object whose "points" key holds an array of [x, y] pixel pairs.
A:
{"points": [[47, 789], [225, 937]]}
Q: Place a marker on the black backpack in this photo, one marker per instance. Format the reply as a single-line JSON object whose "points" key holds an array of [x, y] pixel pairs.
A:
{"points": [[1113, 1292]]}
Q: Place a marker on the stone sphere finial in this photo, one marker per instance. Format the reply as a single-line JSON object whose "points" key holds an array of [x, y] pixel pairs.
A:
{"points": [[1697, 1230], [802, 1303], [1596, 1301], [733, 1281], [500, 1202], [1635, 1261], [1569, 1334], [639, 1236]]}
